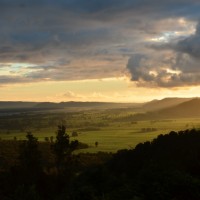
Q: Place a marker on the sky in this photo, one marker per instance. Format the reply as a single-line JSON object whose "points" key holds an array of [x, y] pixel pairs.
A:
{"points": [[99, 50]]}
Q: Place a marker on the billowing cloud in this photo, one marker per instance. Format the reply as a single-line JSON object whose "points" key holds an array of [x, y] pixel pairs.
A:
{"points": [[84, 39], [190, 45], [69, 95], [173, 62], [167, 69]]}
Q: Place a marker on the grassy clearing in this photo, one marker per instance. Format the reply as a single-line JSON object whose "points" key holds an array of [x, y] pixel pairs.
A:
{"points": [[105, 127]]}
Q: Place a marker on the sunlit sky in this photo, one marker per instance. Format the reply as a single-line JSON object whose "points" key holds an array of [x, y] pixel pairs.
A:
{"points": [[99, 50]]}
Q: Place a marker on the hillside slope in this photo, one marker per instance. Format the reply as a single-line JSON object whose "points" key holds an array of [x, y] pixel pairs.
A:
{"points": [[187, 109], [164, 103]]}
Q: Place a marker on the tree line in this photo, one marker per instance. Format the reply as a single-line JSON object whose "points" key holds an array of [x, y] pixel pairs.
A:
{"points": [[166, 168]]}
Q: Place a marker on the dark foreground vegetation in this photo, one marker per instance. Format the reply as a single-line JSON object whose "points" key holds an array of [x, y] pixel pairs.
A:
{"points": [[168, 168]]}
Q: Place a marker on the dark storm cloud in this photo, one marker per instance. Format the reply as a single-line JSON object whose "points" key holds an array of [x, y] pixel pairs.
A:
{"points": [[191, 44], [46, 32], [173, 64], [173, 70]]}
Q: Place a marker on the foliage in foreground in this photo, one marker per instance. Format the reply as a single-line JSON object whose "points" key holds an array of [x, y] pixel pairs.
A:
{"points": [[166, 169]]}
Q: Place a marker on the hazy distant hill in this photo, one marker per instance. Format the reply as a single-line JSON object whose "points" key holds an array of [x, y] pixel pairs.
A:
{"points": [[165, 108], [149, 106], [71, 104], [187, 109], [164, 103], [16, 104]]}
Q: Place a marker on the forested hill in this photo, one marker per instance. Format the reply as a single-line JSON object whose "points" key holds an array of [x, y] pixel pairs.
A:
{"points": [[187, 109], [166, 168], [164, 103]]}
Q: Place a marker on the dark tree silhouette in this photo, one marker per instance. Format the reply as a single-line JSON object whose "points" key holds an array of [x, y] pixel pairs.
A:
{"points": [[30, 156], [62, 147], [96, 144], [30, 170]]}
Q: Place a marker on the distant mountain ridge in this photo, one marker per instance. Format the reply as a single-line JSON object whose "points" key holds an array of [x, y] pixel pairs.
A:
{"points": [[16, 104], [164, 103], [83, 104], [164, 108], [61, 105], [186, 109]]}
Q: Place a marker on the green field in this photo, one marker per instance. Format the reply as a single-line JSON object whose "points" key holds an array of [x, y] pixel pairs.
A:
{"points": [[112, 129]]}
